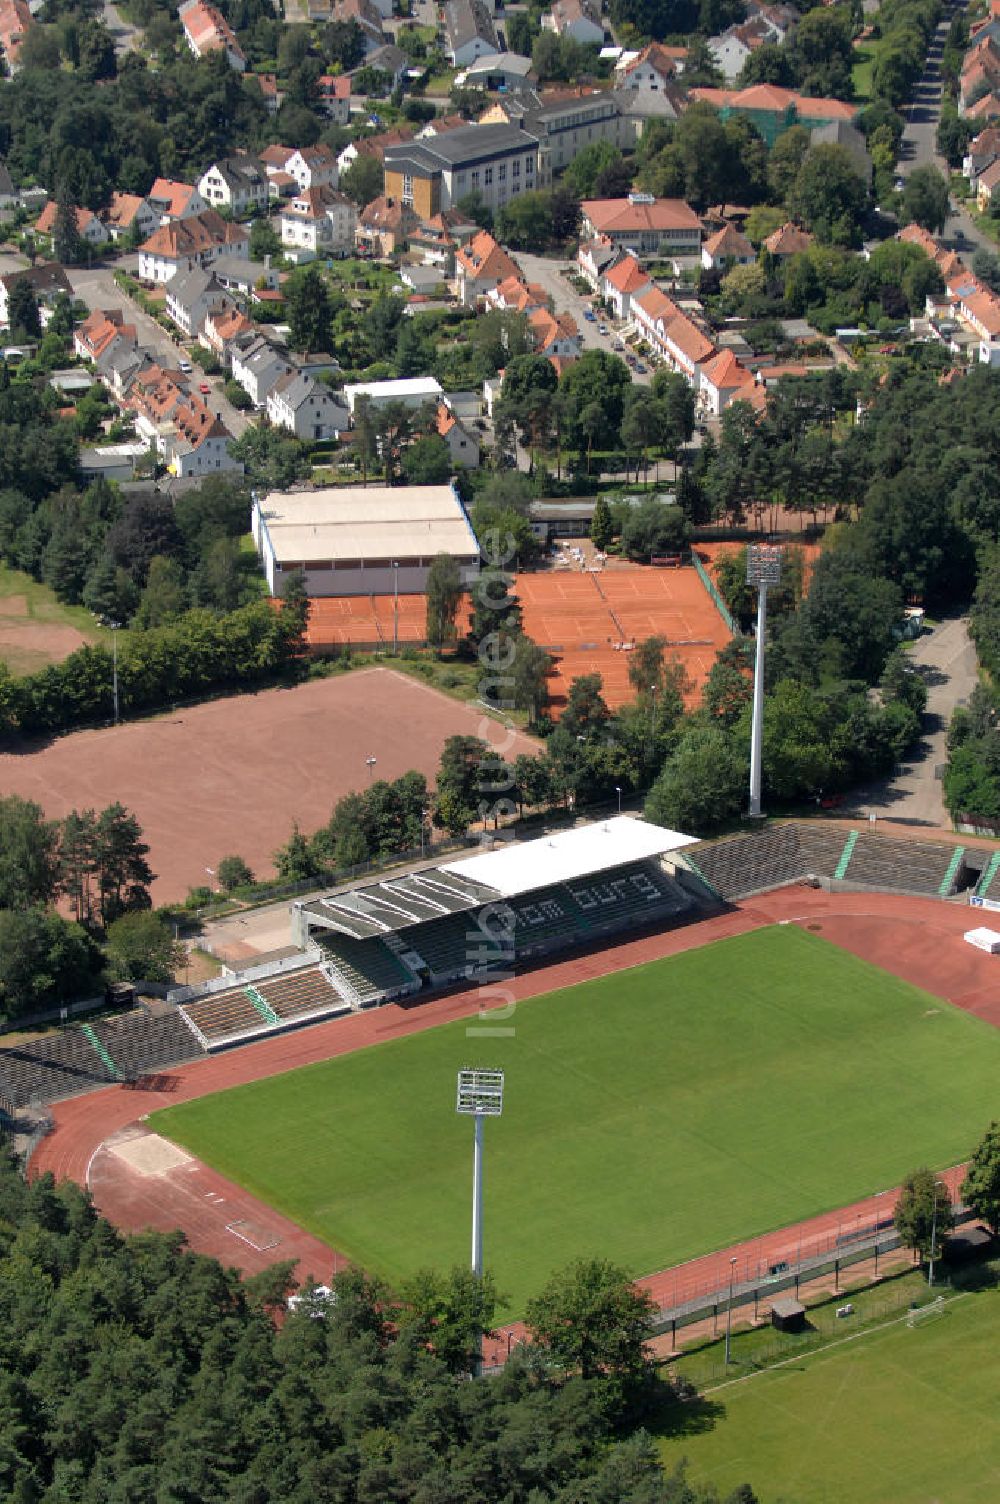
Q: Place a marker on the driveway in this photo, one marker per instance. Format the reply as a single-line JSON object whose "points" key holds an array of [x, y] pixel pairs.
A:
{"points": [[946, 659], [97, 287], [126, 37], [565, 299]]}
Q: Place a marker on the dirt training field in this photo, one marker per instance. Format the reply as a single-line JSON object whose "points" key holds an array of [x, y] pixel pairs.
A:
{"points": [[231, 776]]}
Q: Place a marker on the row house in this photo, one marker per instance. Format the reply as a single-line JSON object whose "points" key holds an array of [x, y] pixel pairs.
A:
{"points": [[257, 365], [224, 324], [237, 183], [319, 222], [593, 258], [190, 296], [674, 336], [622, 281], [206, 30], [982, 151], [99, 331], [722, 380], [199, 240], [306, 407], [89, 228]]}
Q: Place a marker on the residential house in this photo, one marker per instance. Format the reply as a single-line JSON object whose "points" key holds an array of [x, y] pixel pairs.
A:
{"points": [[480, 266], [313, 167], [980, 75], [565, 121], [374, 146], [206, 30], [333, 95], [245, 278], [223, 325], [773, 110], [842, 133], [674, 336], [727, 247], [578, 19], [367, 17], [306, 407], [171, 200], [732, 49], [722, 380], [258, 365], [980, 152], [555, 334], [15, 22], [437, 239], [99, 331], [129, 214], [90, 229], [389, 60], [198, 442], [593, 259], [651, 70], [644, 225], [517, 296], [195, 241], [383, 226], [787, 240], [462, 447], [270, 92], [496, 161], [495, 71], [469, 32], [319, 222], [623, 280], [237, 183], [47, 281], [190, 296], [987, 185]]}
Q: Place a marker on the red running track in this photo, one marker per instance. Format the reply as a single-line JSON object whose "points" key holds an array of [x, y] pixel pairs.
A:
{"points": [[919, 940]]}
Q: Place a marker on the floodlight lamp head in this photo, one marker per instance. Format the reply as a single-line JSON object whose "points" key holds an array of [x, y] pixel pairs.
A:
{"points": [[480, 1094], [763, 564]]}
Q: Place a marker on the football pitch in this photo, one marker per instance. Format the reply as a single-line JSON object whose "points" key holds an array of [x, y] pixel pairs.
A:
{"points": [[900, 1414], [650, 1116]]}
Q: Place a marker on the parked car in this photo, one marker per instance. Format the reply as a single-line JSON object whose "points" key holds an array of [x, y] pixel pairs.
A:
{"points": [[590, 315], [641, 368], [602, 328], [204, 388], [185, 366], [630, 360], [619, 344]]}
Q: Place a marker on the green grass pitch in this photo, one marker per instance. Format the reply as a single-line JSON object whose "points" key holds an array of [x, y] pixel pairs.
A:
{"points": [[649, 1116], [900, 1415]]}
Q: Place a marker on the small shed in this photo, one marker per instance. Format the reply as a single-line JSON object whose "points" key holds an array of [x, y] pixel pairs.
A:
{"points": [[788, 1315]]}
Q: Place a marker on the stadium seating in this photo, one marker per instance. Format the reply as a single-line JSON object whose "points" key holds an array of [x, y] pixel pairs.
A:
{"points": [[140, 1043], [751, 862], [224, 1015], [364, 971], [299, 994], [879, 861], [453, 946], [627, 895], [544, 919], [50, 1067]]}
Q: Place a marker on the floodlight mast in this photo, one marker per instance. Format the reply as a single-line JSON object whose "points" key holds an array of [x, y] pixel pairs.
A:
{"points": [[480, 1096], [763, 570]]}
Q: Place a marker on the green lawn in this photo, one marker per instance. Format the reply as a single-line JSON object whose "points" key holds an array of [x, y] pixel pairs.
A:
{"points": [[899, 1416], [25, 606], [650, 1116], [861, 73]]}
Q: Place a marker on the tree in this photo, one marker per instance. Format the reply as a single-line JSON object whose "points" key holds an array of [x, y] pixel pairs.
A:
{"points": [[923, 1214], [654, 528], [295, 609], [925, 199], [981, 1186], [602, 530], [67, 243], [310, 309], [466, 773], [29, 854], [294, 860], [233, 872], [590, 1319], [592, 392], [529, 677], [701, 786], [364, 180], [23, 315], [586, 712], [44, 960], [525, 223], [122, 871], [829, 194], [954, 133], [450, 1313], [164, 597], [444, 591], [427, 461], [142, 948], [264, 241], [786, 158]]}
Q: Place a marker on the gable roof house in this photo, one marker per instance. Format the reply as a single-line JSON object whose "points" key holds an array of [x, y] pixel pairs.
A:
{"points": [[313, 167], [383, 226], [579, 19], [223, 324], [307, 408], [258, 365], [594, 257], [189, 242], [320, 221], [673, 334], [787, 240], [333, 95], [462, 447], [16, 21], [197, 441], [622, 281], [727, 246], [206, 30], [88, 226], [987, 184], [375, 146], [367, 17], [644, 225], [47, 281], [389, 60], [129, 213], [480, 265], [554, 333], [238, 183], [99, 331], [723, 380], [190, 296], [172, 200], [980, 152], [469, 32]]}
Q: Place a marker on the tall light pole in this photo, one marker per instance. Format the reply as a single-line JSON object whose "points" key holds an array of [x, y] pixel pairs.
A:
{"points": [[933, 1252], [480, 1096], [114, 668], [619, 793], [395, 608], [763, 571], [729, 1314], [370, 765]]}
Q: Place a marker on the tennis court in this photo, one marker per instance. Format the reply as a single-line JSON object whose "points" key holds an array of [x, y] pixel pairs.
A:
{"points": [[586, 621]]}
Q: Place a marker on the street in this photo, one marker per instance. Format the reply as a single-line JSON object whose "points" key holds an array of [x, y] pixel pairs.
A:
{"points": [[565, 299], [127, 38], [97, 288]]}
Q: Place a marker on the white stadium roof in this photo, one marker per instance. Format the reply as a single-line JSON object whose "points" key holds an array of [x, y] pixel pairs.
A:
{"points": [[569, 853]]}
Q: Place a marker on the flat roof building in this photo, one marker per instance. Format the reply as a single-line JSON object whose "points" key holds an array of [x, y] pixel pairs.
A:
{"points": [[354, 540], [496, 161], [413, 390]]}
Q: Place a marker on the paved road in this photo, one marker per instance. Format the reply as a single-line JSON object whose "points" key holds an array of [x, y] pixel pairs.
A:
{"points": [[96, 286], [127, 38], [947, 660], [549, 274], [918, 147]]}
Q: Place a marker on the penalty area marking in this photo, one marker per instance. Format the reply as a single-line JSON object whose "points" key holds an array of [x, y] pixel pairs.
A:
{"points": [[257, 1238]]}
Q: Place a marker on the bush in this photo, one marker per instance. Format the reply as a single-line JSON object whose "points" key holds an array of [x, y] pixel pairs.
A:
{"points": [[233, 872], [237, 396]]}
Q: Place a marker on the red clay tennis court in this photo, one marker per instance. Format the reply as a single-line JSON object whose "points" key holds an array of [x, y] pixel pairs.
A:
{"points": [[585, 620]]}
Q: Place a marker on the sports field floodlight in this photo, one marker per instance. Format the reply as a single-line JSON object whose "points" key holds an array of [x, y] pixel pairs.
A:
{"points": [[763, 571], [480, 1096], [370, 765]]}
